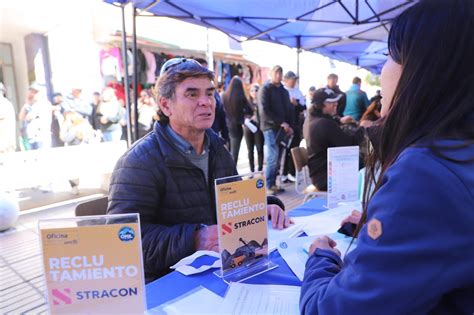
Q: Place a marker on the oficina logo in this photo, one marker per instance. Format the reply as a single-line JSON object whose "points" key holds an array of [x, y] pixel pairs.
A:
{"points": [[126, 234], [259, 183]]}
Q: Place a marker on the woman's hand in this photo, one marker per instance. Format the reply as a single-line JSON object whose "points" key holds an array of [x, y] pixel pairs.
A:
{"points": [[353, 218], [324, 242]]}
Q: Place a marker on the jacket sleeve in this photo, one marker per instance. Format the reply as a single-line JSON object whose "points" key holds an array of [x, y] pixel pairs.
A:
{"points": [[337, 137], [416, 259], [135, 188], [265, 100]]}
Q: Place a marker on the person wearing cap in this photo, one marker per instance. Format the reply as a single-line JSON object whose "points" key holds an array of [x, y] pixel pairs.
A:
{"points": [[332, 84], [7, 123], [168, 175], [35, 117], [75, 103], [298, 101], [322, 131], [356, 100], [276, 112]]}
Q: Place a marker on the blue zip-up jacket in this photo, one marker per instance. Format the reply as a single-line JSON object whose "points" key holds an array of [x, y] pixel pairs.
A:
{"points": [[356, 102], [423, 260]]}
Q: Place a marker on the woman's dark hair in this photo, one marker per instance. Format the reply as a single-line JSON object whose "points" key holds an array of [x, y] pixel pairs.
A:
{"points": [[433, 41], [234, 100]]}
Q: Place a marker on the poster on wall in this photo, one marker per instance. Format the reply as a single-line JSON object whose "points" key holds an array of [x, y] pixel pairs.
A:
{"points": [[343, 175], [93, 264], [242, 226]]}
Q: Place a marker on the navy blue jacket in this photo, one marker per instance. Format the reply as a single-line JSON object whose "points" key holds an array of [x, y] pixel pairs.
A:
{"points": [[423, 262], [153, 178]]}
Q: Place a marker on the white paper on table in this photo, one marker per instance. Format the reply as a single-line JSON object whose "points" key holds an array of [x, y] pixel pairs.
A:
{"points": [[275, 236], [260, 299], [198, 301], [326, 222], [295, 251], [184, 265]]}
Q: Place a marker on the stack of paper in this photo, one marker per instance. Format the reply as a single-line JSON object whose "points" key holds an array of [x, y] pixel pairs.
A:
{"points": [[261, 299], [198, 301], [276, 236], [295, 251], [326, 222]]}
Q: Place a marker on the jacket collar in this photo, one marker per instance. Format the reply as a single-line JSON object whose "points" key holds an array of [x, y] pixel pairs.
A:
{"points": [[172, 154]]}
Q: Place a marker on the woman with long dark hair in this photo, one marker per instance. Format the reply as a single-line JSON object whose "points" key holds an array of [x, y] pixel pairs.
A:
{"points": [[236, 107], [254, 139], [415, 246]]}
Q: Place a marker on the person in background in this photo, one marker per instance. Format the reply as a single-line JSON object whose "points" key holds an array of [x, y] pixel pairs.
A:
{"points": [[75, 103], [356, 100], [95, 104], [332, 84], [237, 108], [220, 121], [168, 175], [35, 117], [415, 237], [371, 115], [57, 120], [7, 123], [298, 101], [254, 140], [109, 114], [276, 113], [147, 113], [323, 131], [377, 97], [309, 97]]}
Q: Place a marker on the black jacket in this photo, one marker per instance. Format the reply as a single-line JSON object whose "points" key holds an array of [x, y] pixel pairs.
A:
{"points": [[170, 193], [322, 132], [274, 107]]}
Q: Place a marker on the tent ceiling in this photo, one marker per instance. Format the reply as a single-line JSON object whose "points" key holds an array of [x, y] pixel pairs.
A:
{"points": [[353, 31]]}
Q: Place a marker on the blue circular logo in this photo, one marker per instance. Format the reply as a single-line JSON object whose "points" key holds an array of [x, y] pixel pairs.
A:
{"points": [[283, 245], [259, 183], [126, 234]]}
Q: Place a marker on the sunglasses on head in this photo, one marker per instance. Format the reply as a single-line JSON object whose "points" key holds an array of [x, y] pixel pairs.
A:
{"points": [[254, 89], [176, 61]]}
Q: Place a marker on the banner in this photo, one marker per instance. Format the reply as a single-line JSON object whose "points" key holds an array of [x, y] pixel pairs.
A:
{"points": [[343, 174], [93, 268], [242, 222]]}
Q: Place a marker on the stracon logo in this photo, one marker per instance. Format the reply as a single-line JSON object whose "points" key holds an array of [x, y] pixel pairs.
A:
{"points": [[126, 234], [61, 297], [226, 228]]}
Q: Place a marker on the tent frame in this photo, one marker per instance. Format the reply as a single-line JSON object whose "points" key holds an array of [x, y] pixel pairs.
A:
{"points": [[262, 34]]}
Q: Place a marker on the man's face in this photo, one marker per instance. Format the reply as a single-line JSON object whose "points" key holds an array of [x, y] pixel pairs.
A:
{"points": [[277, 76], [332, 82], [58, 99], [192, 108], [330, 108], [76, 93], [31, 96], [290, 83]]}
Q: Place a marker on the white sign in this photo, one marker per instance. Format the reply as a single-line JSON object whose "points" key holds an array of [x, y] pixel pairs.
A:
{"points": [[343, 174]]}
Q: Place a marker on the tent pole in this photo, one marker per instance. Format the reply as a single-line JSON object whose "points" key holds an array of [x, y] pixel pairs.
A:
{"points": [[135, 75], [298, 51], [125, 79]]}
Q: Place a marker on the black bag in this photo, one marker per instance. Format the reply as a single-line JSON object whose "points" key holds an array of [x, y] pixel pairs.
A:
{"points": [[282, 138]]}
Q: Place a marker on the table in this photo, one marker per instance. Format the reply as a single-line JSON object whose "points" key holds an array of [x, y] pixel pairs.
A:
{"points": [[175, 284]]}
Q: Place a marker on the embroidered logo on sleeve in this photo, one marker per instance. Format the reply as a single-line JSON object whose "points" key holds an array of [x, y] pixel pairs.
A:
{"points": [[374, 229]]}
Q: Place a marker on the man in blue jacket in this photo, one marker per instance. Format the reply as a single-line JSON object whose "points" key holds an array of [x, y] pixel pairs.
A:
{"points": [[168, 176], [356, 100]]}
